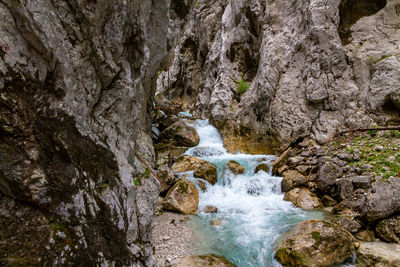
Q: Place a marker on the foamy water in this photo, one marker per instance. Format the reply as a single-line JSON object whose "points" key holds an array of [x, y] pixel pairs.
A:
{"points": [[251, 206]]}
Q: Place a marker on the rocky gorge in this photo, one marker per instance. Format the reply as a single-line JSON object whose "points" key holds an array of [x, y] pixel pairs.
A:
{"points": [[102, 104]]}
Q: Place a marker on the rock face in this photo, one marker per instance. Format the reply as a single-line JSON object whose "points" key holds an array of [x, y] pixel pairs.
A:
{"points": [[309, 67], [211, 260], [202, 169], [183, 197], [303, 198], [315, 243], [378, 254], [76, 82]]}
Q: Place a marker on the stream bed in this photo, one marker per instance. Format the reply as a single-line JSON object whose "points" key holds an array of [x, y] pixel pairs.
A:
{"points": [[250, 206]]}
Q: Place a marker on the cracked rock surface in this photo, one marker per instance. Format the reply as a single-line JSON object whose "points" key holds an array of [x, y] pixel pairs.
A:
{"points": [[76, 83]]}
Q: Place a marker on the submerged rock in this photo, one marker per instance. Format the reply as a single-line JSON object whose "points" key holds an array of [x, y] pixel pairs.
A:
{"points": [[235, 167], [303, 198], [378, 254], [210, 209], [216, 222], [210, 260], [315, 243], [202, 169], [183, 197]]}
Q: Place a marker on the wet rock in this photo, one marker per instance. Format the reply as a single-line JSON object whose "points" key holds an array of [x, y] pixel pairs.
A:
{"points": [[389, 229], [315, 243], [202, 185], [280, 161], [327, 175], [365, 235], [211, 260], [292, 179], [210, 209], [202, 169], [262, 167], [363, 182], [182, 134], [303, 198], [235, 167], [255, 187], [328, 201], [183, 197], [378, 254]]}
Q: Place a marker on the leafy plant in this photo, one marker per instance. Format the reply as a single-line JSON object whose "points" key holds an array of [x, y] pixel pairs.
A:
{"points": [[242, 85]]}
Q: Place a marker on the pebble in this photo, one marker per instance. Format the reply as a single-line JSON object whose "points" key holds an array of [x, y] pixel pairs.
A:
{"points": [[172, 238]]}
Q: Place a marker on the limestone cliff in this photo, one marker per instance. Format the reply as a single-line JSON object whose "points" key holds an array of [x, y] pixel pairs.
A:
{"points": [[76, 83], [313, 66]]}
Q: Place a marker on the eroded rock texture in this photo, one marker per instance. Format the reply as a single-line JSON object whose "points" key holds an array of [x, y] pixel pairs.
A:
{"points": [[313, 66], [76, 80]]}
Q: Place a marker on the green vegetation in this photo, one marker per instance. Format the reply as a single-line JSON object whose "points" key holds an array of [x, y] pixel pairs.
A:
{"points": [[137, 182], [117, 175], [378, 150], [242, 85]]}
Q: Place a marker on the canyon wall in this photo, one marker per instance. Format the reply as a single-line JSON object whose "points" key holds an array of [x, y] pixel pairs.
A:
{"points": [[77, 79], [312, 67]]}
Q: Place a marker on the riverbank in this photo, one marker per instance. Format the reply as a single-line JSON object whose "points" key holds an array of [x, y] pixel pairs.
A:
{"points": [[172, 238]]}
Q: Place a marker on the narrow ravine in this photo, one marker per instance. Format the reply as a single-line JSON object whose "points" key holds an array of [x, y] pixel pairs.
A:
{"points": [[250, 206]]}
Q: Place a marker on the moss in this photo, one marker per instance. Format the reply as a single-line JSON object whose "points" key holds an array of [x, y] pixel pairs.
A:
{"points": [[117, 175], [146, 173], [182, 186], [137, 182], [58, 227]]}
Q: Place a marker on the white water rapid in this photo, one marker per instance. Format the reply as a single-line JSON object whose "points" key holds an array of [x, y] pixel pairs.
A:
{"points": [[251, 206]]}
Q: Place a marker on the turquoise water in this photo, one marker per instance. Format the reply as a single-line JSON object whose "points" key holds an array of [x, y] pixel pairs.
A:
{"points": [[251, 206]]}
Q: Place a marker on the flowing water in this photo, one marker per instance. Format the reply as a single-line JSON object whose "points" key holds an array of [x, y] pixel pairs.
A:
{"points": [[251, 206]]}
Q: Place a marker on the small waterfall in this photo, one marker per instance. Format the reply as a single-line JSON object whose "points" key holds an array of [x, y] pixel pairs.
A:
{"points": [[251, 206]]}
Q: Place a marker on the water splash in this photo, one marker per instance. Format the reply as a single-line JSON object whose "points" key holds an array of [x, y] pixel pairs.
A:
{"points": [[251, 206]]}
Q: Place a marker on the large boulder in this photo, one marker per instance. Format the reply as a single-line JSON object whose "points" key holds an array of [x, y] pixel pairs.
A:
{"points": [[382, 201], [303, 198], [183, 197], [389, 229], [202, 169], [182, 134], [315, 243], [235, 167], [378, 254], [292, 179], [210, 260]]}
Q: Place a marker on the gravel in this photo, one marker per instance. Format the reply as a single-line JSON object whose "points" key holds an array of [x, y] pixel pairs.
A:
{"points": [[172, 238]]}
